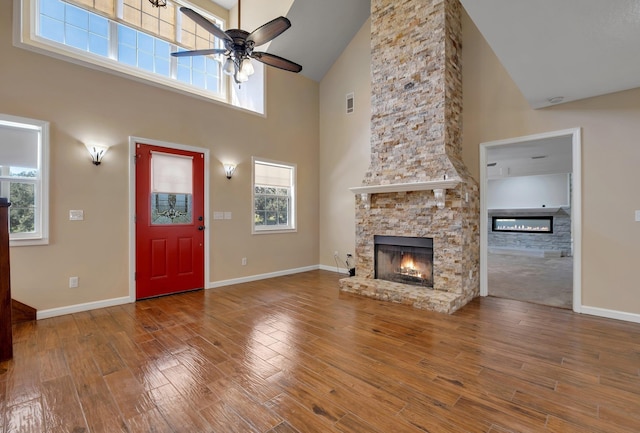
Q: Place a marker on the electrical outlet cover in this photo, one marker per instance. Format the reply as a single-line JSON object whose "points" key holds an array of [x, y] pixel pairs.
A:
{"points": [[76, 215]]}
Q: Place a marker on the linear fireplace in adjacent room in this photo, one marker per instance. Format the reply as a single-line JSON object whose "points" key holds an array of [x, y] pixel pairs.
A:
{"points": [[406, 260]]}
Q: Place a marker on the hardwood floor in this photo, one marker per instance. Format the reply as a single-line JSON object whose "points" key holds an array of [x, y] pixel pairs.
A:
{"points": [[292, 354]]}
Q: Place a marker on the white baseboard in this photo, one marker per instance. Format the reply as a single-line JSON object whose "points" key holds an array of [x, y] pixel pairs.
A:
{"points": [[61, 311], [54, 312], [222, 283], [611, 314], [334, 269]]}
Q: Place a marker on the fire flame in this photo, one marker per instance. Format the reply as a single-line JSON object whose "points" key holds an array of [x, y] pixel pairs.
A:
{"points": [[407, 262]]}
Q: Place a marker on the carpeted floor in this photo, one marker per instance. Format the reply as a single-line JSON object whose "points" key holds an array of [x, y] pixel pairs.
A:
{"points": [[547, 281]]}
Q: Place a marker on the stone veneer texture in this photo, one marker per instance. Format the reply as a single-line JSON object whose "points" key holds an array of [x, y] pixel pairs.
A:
{"points": [[416, 129]]}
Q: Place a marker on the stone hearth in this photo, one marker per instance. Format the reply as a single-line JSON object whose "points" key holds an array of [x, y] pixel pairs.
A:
{"points": [[416, 129]]}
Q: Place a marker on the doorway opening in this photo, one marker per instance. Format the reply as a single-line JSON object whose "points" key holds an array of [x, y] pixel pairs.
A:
{"points": [[530, 228]]}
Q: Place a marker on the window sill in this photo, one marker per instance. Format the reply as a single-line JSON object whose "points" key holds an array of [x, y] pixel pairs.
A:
{"points": [[27, 242], [103, 64], [273, 231]]}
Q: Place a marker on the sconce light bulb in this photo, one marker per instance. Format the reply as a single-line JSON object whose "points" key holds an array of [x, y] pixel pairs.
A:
{"points": [[97, 152], [229, 169]]}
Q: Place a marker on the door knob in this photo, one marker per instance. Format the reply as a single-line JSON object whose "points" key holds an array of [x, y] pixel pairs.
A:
{"points": [[200, 228]]}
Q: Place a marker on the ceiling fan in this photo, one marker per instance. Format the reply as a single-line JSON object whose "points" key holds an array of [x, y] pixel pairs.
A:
{"points": [[239, 45]]}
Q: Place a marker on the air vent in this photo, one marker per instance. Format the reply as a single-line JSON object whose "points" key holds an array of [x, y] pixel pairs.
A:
{"points": [[350, 103]]}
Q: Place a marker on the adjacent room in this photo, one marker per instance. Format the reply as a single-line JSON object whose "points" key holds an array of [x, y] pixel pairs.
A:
{"points": [[319, 216], [529, 237]]}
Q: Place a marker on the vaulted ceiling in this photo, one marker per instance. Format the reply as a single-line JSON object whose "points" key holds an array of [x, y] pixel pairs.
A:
{"points": [[320, 30], [569, 49]]}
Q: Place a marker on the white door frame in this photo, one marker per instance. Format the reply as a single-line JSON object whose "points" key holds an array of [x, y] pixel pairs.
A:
{"points": [[132, 204], [576, 206]]}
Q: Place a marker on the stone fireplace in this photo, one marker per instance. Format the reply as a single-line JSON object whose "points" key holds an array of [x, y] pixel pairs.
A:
{"points": [[417, 185]]}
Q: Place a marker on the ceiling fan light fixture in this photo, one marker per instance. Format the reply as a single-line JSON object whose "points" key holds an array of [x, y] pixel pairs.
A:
{"points": [[247, 67], [241, 76], [229, 67], [239, 45]]}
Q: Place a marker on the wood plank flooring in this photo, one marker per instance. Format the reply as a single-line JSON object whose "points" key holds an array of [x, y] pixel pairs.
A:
{"points": [[293, 354]]}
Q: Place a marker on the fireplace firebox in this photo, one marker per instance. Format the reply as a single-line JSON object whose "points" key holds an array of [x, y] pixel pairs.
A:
{"points": [[522, 224], [406, 260]]}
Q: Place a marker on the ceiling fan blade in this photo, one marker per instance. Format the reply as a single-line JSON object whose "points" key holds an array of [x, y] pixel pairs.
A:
{"points": [[206, 24], [268, 31], [276, 61], [205, 52]]}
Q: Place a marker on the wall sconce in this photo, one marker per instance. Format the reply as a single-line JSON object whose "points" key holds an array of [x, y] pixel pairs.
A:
{"points": [[439, 196], [96, 151], [229, 169]]}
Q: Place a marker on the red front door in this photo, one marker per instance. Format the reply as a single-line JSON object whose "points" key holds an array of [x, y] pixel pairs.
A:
{"points": [[169, 221]]}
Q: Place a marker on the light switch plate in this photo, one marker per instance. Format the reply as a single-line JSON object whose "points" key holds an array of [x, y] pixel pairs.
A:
{"points": [[227, 215], [76, 215], [638, 215], [218, 215]]}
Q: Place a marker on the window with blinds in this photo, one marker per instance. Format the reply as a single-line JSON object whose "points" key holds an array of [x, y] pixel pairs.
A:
{"points": [[141, 14], [24, 147], [273, 196], [171, 189]]}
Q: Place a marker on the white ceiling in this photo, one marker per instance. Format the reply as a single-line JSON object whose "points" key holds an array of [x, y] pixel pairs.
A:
{"points": [[573, 49], [227, 4], [547, 156], [320, 31]]}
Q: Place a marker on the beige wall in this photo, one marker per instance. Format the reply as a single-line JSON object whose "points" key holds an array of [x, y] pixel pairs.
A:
{"points": [[83, 104], [494, 109], [344, 145]]}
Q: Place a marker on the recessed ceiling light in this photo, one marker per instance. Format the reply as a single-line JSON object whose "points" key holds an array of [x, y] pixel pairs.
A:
{"points": [[555, 99]]}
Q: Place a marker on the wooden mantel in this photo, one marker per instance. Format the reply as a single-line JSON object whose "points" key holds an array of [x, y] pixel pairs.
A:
{"points": [[437, 186], [408, 186]]}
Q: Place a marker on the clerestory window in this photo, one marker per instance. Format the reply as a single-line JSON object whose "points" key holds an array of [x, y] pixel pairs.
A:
{"points": [[131, 37]]}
